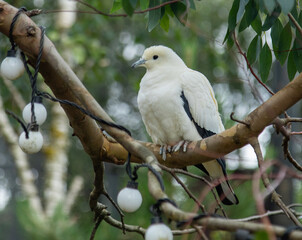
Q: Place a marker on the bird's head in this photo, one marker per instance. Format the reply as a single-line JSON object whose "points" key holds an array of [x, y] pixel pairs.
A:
{"points": [[159, 56]]}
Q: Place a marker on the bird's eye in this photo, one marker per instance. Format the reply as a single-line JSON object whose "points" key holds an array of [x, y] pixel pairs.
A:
{"points": [[155, 57]]}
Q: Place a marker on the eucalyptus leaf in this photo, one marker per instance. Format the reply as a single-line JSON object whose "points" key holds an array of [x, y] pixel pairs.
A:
{"points": [[271, 19], [133, 3], [180, 11], [164, 22], [232, 20], [270, 5], [254, 49], [241, 9], [127, 6], [286, 5], [251, 12], [265, 62], [291, 66], [154, 15], [117, 5], [284, 43], [276, 32], [257, 25], [144, 4], [297, 52]]}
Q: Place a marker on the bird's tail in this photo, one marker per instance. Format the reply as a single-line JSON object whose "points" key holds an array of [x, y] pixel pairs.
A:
{"points": [[216, 170], [226, 193]]}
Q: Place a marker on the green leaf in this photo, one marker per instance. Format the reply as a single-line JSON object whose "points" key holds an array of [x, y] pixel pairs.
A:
{"points": [[230, 43], [286, 5], [261, 6], [164, 22], [227, 36], [251, 12], [241, 10], [276, 32], [232, 21], [265, 61], [143, 4], [270, 5], [275, 35], [291, 66], [297, 52], [254, 49], [133, 3], [295, 13], [284, 43], [271, 19], [179, 9], [169, 11], [154, 15], [257, 25], [243, 24], [127, 6], [298, 34], [117, 5]]}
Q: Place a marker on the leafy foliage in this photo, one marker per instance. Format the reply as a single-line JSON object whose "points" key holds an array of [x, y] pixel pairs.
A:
{"points": [[156, 15], [272, 16]]}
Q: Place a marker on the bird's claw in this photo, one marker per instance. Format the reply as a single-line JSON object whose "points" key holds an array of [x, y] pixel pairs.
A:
{"points": [[183, 143], [163, 151]]}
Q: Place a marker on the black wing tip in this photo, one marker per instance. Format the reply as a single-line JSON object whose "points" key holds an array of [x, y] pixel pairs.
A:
{"points": [[224, 199]]}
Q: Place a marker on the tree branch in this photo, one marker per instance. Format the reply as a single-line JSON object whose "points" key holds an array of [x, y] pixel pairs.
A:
{"points": [[249, 65], [297, 25], [275, 196], [125, 15]]}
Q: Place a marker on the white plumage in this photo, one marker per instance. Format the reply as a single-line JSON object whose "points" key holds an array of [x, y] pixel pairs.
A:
{"points": [[178, 103]]}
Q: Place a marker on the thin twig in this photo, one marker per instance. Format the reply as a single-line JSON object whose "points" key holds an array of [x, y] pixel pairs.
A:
{"points": [[99, 189], [125, 15], [256, 189], [96, 225], [287, 120], [200, 232], [275, 196], [211, 186], [249, 65], [36, 12], [190, 194], [297, 25], [288, 155], [296, 133], [269, 213]]}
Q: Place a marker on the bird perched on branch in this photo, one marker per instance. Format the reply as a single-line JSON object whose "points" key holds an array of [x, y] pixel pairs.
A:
{"points": [[178, 105]]}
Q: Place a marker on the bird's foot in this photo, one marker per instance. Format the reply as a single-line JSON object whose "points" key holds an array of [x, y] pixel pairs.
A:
{"points": [[163, 151], [183, 143]]}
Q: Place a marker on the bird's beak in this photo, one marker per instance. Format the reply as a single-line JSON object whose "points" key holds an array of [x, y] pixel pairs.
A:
{"points": [[138, 63]]}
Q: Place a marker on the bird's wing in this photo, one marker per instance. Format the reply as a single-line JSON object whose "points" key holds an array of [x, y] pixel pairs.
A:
{"points": [[201, 107], [201, 101]]}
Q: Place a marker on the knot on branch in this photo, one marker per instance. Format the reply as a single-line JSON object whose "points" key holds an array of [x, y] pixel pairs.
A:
{"points": [[239, 121]]}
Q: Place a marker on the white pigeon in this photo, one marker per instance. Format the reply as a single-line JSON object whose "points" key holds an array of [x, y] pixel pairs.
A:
{"points": [[178, 105]]}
